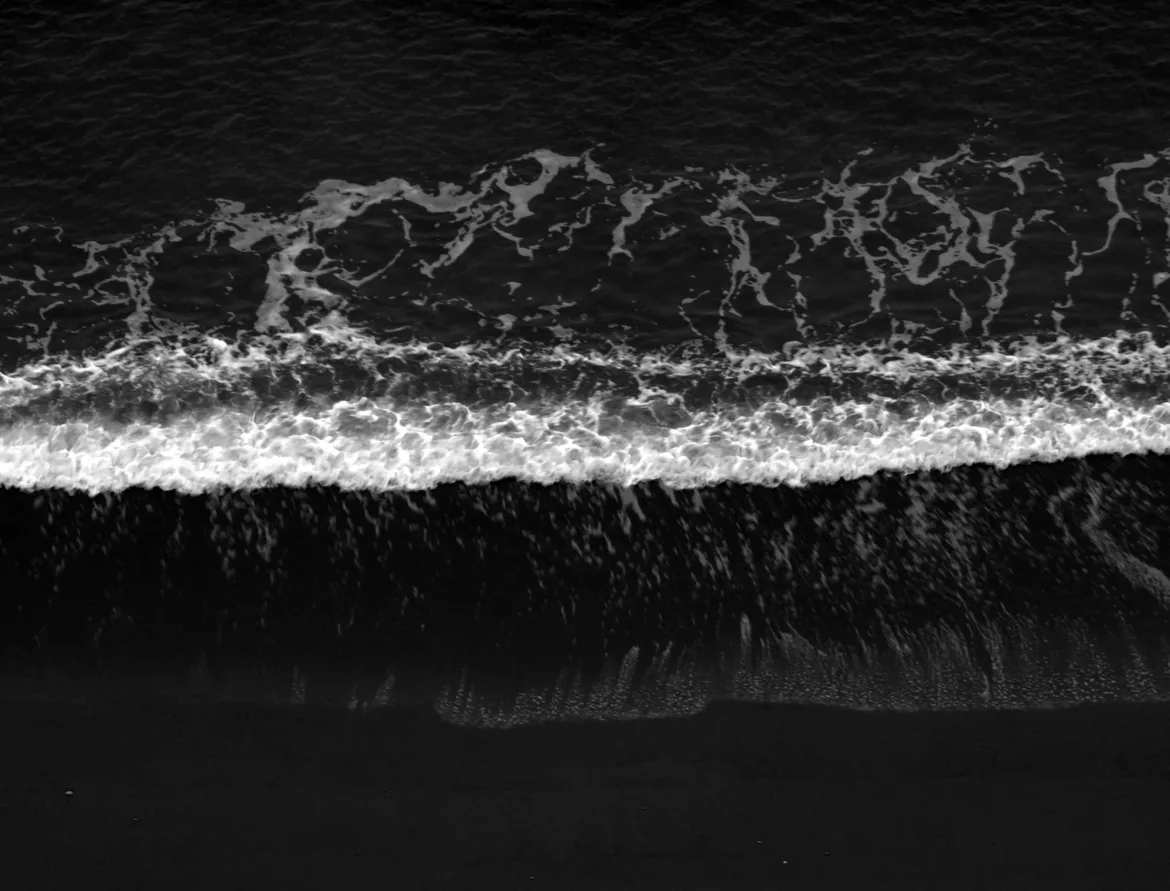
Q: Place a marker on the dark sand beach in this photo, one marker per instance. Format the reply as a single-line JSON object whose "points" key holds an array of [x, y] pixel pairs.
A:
{"points": [[163, 794]]}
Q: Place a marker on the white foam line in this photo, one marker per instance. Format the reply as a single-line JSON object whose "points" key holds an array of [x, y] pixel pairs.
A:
{"points": [[377, 447]]}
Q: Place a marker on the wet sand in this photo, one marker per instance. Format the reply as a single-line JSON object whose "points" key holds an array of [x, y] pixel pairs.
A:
{"points": [[169, 794]]}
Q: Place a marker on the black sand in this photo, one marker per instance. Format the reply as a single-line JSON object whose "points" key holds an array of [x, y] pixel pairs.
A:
{"points": [[222, 795]]}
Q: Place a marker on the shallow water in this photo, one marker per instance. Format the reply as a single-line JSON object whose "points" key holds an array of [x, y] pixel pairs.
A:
{"points": [[786, 356]]}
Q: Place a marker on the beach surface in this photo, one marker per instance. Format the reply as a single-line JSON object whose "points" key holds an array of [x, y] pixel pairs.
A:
{"points": [[168, 794]]}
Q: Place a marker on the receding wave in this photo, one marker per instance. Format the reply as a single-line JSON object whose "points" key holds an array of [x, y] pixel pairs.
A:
{"points": [[921, 414]]}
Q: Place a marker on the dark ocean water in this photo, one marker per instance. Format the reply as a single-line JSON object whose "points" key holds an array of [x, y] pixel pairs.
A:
{"points": [[588, 362]]}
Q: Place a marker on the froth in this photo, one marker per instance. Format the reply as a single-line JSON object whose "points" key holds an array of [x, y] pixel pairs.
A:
{"points": [[365, 445]]}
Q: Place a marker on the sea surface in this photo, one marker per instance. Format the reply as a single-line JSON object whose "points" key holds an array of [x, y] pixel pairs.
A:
{"points": [[589, 362]]}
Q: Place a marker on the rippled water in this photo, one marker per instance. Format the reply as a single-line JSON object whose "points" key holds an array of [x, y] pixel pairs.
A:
{"points": [[589, 364]]}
